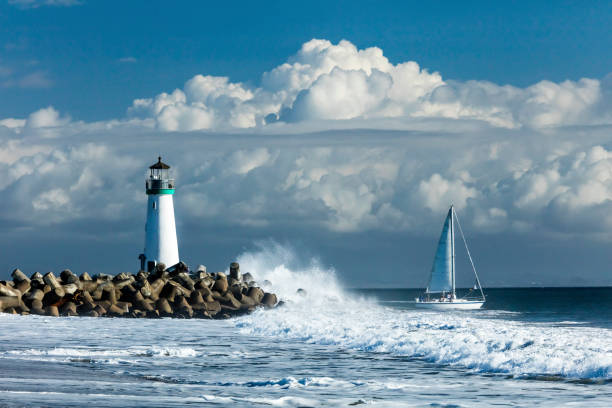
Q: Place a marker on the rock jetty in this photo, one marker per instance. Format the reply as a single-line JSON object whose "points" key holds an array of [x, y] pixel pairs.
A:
{"points": [[172, 292]]}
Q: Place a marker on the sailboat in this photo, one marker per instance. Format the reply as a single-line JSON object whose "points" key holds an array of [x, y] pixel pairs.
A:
{"points": [[440, 293]]}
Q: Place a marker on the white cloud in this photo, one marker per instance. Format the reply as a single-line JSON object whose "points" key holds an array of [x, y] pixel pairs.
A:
{"points": [[46, 117], [527, 160], [12, 123], [336, 181], [437, 193], [338, 82]]}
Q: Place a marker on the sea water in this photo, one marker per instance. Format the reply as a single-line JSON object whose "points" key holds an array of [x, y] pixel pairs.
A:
{"points": [[328, 347]]}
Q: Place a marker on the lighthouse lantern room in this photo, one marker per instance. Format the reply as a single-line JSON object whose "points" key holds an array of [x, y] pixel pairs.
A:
{"points": [[160, 229]]}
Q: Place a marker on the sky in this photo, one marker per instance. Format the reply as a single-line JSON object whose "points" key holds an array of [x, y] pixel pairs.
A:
{"points": [[343, 131]]}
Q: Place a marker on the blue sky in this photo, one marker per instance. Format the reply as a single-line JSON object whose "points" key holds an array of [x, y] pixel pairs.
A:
{"points": [[344, 130], [78, 49]]}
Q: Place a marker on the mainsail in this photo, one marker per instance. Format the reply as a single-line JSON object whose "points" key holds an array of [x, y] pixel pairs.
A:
{"points": [[441, 279]]}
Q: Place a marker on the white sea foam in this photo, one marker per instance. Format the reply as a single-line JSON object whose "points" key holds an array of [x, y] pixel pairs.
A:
{"points": [[326, 315], [88, 352], [292, 382]]}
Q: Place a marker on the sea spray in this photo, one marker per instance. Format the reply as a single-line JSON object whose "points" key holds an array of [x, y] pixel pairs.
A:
{"points": [[326, 314]]}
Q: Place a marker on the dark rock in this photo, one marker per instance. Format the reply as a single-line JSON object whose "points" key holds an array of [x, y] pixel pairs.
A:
{"points": [[36, 304], [37, 311], [247, 301], [70, 288], [34, 294], [153, 314], [269, 299], [221, 284], [256, 294], [23, 286], [100, 310], [103, 277], [108, 293], [301, 291], [115, 310], [156, 287], [123, 282], [9, 301], [235, 271], [36, 281], [65, 274], [104, 303], [180, 302], [36, 276], [236, 291], [86, 307], [87, 297], [229, 300], [52, 311], [196, 298], [180, 289], [120, 277], [185, 312], [169, 292], [124, 305], [144, 305], [138, 314], [19, 276], [185, 280], [213, 307], [68, 307], [89, 285], [51, 280], [145, 289], [53, 296], [164, 307], [206, 282], [68, 277]]}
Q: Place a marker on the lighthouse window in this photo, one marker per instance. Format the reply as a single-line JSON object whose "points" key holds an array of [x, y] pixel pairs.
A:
{"points": [[154, 205]]}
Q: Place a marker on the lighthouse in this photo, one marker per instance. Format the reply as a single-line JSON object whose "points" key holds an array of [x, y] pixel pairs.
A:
{"points": [[160, 230]]}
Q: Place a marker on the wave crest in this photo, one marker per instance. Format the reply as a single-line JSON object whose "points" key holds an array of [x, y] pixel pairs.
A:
{"points": [[329, 316]]}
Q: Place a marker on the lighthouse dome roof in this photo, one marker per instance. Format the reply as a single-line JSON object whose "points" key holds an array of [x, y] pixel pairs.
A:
{"points": [[159, 164]]}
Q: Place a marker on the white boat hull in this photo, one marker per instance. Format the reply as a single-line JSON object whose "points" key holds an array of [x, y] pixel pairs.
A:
{"points": [[455, 305]]}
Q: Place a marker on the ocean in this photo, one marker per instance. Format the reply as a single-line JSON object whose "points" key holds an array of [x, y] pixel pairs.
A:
{"points": [[332, 346]]}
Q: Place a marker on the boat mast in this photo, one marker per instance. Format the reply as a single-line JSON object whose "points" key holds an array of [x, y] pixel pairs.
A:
{"points": [[452, 226], [470, 257]]}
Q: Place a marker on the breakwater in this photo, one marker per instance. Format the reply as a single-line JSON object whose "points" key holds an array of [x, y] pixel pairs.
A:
{"points": [[173, 292]]}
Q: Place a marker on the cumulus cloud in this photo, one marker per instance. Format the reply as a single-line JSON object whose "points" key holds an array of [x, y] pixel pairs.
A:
{"points": [[339, 82], [525, 160], [46, 117], [524, 182]]}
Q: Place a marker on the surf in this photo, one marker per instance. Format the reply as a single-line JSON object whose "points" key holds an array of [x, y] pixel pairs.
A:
{"points": [[324, 313]]}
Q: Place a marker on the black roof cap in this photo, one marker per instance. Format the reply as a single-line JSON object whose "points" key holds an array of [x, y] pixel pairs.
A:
{"points": [[159, 164]]}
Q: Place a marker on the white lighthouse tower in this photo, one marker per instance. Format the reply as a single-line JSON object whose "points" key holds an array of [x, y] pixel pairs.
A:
{"points": [[160, 230]]}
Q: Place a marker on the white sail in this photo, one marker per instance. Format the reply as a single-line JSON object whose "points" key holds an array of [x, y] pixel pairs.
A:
{"points": [[441, 279]]}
